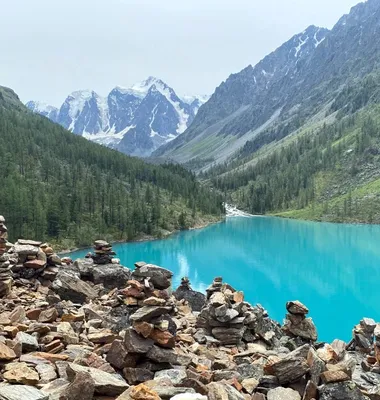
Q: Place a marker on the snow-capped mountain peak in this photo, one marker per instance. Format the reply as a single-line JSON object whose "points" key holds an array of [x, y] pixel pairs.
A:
{"points": [[135, 120], [44, 109]]}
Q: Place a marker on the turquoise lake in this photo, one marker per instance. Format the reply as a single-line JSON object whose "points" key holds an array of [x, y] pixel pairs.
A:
{"points": [[333, 269]]}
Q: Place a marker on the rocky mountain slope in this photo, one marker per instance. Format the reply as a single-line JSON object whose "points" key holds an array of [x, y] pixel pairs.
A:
{"points": [[59, 186], [135, 121], [283, 92], [94, 329]]}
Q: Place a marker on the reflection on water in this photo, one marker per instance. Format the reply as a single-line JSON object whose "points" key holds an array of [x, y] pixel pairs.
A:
{"points": [[333, 269]]}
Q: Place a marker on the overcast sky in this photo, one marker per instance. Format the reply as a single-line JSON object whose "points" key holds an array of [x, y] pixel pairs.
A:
{"points": [[50, 48]]}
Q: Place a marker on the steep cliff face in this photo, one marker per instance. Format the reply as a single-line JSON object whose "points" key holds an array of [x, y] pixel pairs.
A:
{"points": [[288, 87]]}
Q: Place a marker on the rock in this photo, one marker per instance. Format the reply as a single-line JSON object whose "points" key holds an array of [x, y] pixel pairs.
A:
{"points": [[311, 391], [334, 376], [105, 383], [55, 388], [147, 313], [6, 354], [292, 367], [143, 328], [35, 264], [228, 335], [176, 376], [297, 308], [161, 355], [111, 275], [154, 301], [28, 342], [69, 287], [139, 392], [117, 354], [48, 315], [82, 387], [21, 373], [223, 391], [305, 329], [249, 384], [134, 343], [159, 277], [137, 375], [101, 337], [47, 373], [189, 396], [163, 338], [21, 392], [25, 249], [341, 391], [281, 393], [195, 299], [316, 365]]}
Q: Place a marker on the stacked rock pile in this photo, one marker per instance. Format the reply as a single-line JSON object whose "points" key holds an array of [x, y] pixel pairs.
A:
{"points": [[5, 260], [296, 323], [230, 320], [35, 260], [195, 299], [149, 342], [103, 253]]}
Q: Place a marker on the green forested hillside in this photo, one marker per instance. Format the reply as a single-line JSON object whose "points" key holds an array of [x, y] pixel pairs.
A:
{"points": [[329, 171], [60, 187]]}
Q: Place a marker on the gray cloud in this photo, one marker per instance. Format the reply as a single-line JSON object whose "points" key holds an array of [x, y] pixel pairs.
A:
{"points": [[52, 47]]}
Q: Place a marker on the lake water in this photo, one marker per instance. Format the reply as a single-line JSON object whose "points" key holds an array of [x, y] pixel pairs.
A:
{"points": [[333, 269]]}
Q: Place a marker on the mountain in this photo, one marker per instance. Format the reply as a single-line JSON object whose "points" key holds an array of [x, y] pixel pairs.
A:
{"points": [[63, 188], [135, 121], [314, 150], [287, 88]]}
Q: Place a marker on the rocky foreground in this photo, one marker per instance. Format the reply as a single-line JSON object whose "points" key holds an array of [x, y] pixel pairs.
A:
{"points": [[92, 329]]}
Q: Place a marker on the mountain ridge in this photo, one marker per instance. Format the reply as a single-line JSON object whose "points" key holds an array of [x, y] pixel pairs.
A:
{"points": [[126, 112]]}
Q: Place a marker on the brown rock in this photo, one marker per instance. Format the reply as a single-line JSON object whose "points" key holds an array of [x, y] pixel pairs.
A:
{"points": [[311, 391], [134, 343], [35, 264], [82, 387], [11, 331], [334, 376], [163, 338], [49, 315], [104, 336], [34, 314], [50, 357], [143, 328], [117, 354], [6, 353], [296, 307], [21, 373]]}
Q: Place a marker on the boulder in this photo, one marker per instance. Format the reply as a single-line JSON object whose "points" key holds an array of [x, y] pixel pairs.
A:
{"points": [[111, 275], [69, 287], [159, 277], [82, 387], [195, 299]]}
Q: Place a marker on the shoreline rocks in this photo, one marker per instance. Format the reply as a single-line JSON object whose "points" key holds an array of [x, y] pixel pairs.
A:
{"points": [[93, 329]]}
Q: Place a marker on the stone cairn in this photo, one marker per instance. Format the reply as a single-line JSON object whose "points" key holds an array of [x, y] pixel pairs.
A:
{"points": [[103, 253], [35, 260], [296, 323], [230, 320], [5, 260], [148, 344], [195, 299]]}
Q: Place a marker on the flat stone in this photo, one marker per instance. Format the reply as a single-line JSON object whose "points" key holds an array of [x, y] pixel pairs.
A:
{"points": [[21, 392], [47, 373], [35, 264], [281, 393], [105, 383], [26, 249], [26, 242], [189, 396], [147, 313], [22, 374], [161, 355], [334, 376], [102, 337]]}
